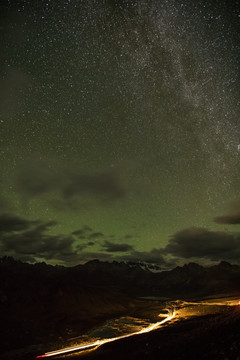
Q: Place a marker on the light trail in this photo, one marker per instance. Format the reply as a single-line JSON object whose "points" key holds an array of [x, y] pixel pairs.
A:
{"points": [[151, 327], [213, 303], [96, 344]]}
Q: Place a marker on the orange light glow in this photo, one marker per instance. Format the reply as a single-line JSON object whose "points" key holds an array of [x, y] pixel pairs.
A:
{"points": [[98, 343]]}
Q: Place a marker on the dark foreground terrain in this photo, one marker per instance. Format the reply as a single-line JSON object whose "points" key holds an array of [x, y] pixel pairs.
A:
{"points": [[209, 337], [42, 307], [198, 332]]}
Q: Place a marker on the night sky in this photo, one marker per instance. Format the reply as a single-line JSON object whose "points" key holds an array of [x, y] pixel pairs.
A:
{"points": [[119, 131]]}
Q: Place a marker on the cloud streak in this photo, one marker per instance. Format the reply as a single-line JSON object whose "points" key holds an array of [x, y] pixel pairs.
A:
{"points": [[231, 219], [26, 239], [10, 223], [103, 185], [115, 247], [202, 243], [233, 216], [67, 186]]}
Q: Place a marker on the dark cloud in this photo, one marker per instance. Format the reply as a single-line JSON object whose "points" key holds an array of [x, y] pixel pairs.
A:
{"points": [[83, 246], [104, 185], [11, 223], [202, 243], [83, 233], [24, 239], [233, 217], [86, 228], [35, 178], [44, 246], [45, 226], [90, 243], [61, 205], [79, 232], [95, 235], [113, 247], [68, 186]]}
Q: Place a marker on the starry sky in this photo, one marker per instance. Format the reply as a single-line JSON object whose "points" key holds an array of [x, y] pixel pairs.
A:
{"points": [[119, 131]]}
